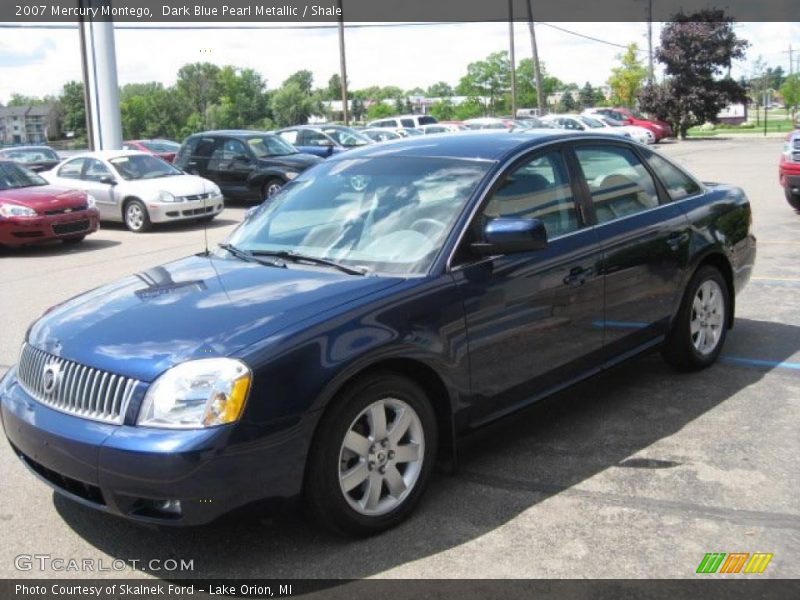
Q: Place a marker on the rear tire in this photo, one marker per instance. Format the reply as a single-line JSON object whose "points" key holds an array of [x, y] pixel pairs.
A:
{"points": [[701, 325], [792, 199], [372, 456], [137, 219]]}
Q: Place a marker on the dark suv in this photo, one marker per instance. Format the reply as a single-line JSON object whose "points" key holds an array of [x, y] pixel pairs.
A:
{"points": [[246, 165]]}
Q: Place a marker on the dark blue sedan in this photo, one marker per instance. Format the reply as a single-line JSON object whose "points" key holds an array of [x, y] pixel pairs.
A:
{"points": [[383, 303], [323, 140]]}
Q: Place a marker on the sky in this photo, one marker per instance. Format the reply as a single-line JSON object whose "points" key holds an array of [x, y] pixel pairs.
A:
{"points": [[39, 61]]}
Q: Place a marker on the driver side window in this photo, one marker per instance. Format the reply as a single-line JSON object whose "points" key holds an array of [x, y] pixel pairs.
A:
{"points": [[232, 149], [72, 169], [537, 189], [95, 170]]}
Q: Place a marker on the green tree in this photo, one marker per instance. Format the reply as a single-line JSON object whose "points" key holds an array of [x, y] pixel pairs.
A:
{"points": [[292, 105], [526, 83], [489, 78], [304, 80], [567, 102], [198, 87], [334, 89], [73, 109], [22, 100], [587, 96], [790, 90], [379, 110], [149, 110], [469, 109], [443, 110], [627, 78], [696, 50], [440, 89], [242, 103]]}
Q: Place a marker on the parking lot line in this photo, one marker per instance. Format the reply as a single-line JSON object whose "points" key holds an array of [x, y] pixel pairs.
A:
{"points": [[783, 279], [757, 362]]}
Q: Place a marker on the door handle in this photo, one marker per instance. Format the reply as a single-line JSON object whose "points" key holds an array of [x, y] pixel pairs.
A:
{"points": [[578, 276], [677, 239]]}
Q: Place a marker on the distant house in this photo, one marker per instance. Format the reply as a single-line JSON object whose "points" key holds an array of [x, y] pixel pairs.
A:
{"points": [[28, 124]]}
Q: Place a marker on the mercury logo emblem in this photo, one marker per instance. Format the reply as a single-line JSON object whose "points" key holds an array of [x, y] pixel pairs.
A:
{"points": [[50, 377]]}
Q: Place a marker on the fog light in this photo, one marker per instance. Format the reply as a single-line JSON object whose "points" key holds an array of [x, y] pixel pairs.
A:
{"points": [[172, 507]]}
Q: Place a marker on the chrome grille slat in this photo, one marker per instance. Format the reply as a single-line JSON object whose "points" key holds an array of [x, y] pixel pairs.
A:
{"points": [[80, 390]]}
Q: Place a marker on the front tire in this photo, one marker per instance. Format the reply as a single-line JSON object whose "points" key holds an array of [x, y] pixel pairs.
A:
{"points": [[270, 188], [701, 325], [372, 456], [137, 219], [792, 199]]}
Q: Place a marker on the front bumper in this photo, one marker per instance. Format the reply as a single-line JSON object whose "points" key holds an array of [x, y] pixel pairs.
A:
{"points": [[18, 231], [130, 471], [165, 212]]}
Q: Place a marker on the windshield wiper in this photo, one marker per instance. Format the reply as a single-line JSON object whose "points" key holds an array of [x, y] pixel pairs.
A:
{"points": [[297, 257], [249, 257]]}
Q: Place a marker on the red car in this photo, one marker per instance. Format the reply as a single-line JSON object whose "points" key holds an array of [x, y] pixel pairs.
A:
{"points": [[165, 149], [789, 169], [659, 129], [32, 211]]}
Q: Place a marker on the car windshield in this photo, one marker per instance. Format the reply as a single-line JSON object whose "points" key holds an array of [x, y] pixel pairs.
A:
{"points": [[161, 146], [346, 137], [13, 176], [383, 214], [30, 155], [270, 145], [143, 166], [590, 122]]}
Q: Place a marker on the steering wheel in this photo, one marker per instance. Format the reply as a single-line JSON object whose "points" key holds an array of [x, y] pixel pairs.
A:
{"points": [[427, 227]]}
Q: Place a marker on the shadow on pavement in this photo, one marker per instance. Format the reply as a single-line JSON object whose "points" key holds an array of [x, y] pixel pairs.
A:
{"points": [[57, 248], [548, 449]]}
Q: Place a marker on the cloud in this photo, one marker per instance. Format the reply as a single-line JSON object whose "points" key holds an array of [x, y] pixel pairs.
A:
{"points": [[11, 58]]}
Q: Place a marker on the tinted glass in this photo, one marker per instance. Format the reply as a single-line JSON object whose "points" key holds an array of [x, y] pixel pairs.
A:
{"points": [[30, 155], [95, 170], [389, 215], [346, 137], [407, 122], [270, 145], [619, 183], [537, 189], [143, 166], [679, 184], [161, 146], [13, 176], [426, 120]]}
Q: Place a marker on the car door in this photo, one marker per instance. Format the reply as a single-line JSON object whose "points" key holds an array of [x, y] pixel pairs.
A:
{"points": [[532, 317], [645, 242], [232, 164], [95, 178]]}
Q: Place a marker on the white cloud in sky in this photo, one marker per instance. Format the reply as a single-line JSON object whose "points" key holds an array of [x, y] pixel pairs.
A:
{"points": [[40, 61]]}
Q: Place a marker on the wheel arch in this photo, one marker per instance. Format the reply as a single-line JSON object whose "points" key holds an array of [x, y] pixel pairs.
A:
{"points": [[124, 204], [425, 376], [718, 260]]}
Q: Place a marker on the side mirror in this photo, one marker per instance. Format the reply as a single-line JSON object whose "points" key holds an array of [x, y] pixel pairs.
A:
{"points": [[508, 236], [108, 180]]}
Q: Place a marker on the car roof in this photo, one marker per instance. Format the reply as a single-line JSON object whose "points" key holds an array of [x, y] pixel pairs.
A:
{"points": [[232, 133], [109, 154], [474, 145], [31, 147]]}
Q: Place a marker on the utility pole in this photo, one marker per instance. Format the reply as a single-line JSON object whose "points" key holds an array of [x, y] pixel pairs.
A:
{"points": [[650, 42], [537, 72], [513, 60], [343, 65]]}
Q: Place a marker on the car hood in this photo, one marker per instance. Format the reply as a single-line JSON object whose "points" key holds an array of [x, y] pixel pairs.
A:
{"points": [[178, 185], [297, 161], [44, 197], [197, 307]]}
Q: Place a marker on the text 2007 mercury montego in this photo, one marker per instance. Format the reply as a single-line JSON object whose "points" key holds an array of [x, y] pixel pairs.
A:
{"points": [[382, 304]]}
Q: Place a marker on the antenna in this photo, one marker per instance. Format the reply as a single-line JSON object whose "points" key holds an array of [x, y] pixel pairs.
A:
{"points": [[205, 224]]}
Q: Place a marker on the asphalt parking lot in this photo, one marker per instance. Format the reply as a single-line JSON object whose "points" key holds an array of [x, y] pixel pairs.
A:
{"points": [[637, 473]]}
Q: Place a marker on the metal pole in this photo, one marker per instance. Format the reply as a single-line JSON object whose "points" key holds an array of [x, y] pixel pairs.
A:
{"points": [[537, 72], [343, 65], [100, 80], [650, 41], [513, 59]]}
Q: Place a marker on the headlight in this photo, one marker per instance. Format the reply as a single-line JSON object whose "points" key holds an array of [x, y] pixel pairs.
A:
{"points": [[165, 197], [15, 210], [215, 191], [291, 175], [197, 394]]}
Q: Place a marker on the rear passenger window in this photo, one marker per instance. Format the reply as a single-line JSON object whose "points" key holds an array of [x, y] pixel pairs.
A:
{"points": [[679, 185], [619, 183], [407, 122], [537, 189], [72, 169]]}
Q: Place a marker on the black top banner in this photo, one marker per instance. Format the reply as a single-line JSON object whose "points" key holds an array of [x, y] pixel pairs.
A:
{"points": [[303, 11]]}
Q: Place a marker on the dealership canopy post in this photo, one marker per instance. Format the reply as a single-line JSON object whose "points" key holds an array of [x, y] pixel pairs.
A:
{"points": [[98, 55]]}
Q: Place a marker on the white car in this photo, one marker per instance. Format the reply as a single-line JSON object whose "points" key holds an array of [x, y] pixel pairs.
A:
{"points": [[583, 123], [403, 121], [138, 188]]}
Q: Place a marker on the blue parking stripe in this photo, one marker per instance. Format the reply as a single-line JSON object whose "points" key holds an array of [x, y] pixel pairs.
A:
{"points": [[757, 362], [619, 324]]}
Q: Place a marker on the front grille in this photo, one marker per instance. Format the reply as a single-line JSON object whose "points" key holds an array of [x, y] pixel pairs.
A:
{"points": [[87, 491], [73, 227], [74, 388], [61, 211], [198, 211], [196, 197]]}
